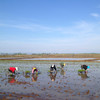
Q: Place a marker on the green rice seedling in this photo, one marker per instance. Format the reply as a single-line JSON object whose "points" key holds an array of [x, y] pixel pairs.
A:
{"points": [[48, 70], [27, 72], [81, 70], [59, 67]]}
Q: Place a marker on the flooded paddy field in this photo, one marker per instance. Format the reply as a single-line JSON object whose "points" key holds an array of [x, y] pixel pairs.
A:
{"points": [[66, 84]]}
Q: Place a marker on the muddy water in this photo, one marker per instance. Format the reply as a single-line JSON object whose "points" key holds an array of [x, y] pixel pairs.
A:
{"points": [[66, 84]]}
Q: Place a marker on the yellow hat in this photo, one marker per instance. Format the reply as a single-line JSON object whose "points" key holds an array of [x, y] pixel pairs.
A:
{"points": [[34, 68]]}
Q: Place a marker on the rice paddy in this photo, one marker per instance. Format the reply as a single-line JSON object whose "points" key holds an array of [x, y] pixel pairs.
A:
{"points": [[66, 84]]}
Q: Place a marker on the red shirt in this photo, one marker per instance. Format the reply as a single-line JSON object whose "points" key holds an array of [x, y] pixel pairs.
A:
{"points": [[12, 69]]}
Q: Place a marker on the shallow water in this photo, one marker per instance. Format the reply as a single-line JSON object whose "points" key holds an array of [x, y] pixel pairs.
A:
{"points": [[66, 84], [59, 59], [44, 59]]}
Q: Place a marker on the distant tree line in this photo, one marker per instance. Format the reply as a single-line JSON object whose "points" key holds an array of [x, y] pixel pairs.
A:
{"points": [[13, 53], [42, 53]]}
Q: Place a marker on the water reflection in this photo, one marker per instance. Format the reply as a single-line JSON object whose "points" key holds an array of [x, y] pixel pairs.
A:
{"points": [[27, 76], [12, 79], [34, 77], [53, 75], [83, 76], [62, 72]]}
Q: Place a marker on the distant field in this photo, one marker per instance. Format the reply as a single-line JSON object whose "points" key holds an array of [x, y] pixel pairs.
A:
{"points": [[97, 56]]}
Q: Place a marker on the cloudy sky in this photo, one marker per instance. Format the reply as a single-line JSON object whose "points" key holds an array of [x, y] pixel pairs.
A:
{"points": [[50, 26]]}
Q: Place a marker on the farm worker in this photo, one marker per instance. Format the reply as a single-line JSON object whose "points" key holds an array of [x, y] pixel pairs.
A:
{"points": [[34, 69], [13, 69], [53, 67], [62, 64], [85, 67]]}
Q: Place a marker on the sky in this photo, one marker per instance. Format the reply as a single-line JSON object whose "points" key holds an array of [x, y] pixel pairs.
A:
{"points": [[49, 26]]}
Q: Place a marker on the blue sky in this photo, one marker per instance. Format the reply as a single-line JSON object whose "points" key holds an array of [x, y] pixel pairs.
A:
{"points": [[50, 26]]}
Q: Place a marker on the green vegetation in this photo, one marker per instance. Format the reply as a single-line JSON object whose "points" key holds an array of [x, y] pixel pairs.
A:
{"points": [[59, 67], [81, 70], [27, 72], [48, 70]]}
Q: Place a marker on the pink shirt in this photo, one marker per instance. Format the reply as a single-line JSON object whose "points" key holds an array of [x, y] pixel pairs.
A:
{"points": [[33, 70]]}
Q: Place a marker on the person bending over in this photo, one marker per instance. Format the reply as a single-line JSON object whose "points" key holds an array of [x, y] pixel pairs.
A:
{"points": [[34, 69], [85, 67], [53, 67], [62, 65], [12, 69]]}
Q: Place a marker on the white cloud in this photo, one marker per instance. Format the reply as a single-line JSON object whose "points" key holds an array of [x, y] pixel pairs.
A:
{"points": [[95, 14], [81, 28], [81, 37], [30, 27], [78, 28]]}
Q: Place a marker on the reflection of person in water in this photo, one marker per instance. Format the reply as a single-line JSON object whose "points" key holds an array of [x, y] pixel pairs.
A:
{"points": [[34, 77], [11, 79], [83, 76], [27, 76], [62, 72], [53, 75]]}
